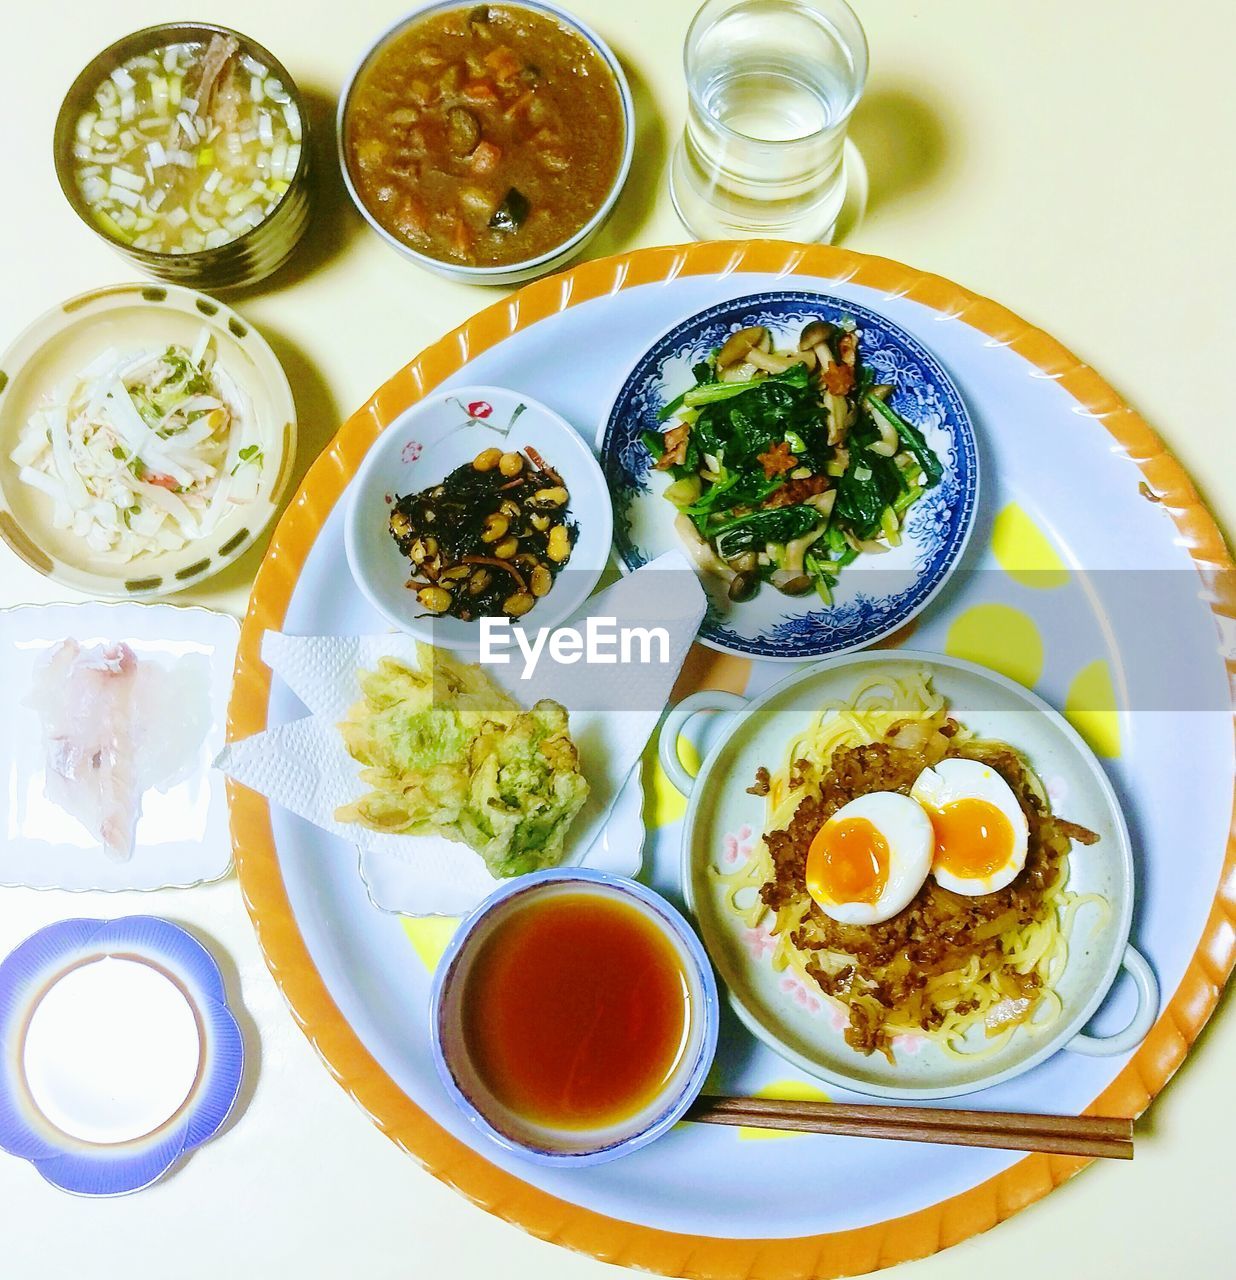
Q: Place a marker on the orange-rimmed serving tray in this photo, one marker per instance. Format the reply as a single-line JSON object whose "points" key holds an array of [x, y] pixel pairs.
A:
{"points": [[504, 1191]]}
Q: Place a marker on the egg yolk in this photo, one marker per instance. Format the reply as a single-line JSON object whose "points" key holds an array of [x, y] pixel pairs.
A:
{"points": [[847, 862], [973, 838]]}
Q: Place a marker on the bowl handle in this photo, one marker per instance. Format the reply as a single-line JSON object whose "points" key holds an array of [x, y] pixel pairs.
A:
{"points": [[1143, 1019], [667, 741]]}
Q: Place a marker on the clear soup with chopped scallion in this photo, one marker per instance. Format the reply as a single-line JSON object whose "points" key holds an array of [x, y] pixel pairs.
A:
{"points": [[188, 147]]}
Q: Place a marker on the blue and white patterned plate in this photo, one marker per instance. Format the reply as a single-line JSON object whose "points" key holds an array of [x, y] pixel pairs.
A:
{"points": [[118, 1053], [877, 594]]}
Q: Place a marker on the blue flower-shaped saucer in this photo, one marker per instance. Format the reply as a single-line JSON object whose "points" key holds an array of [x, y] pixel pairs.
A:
{"points": [[118, 1053]]}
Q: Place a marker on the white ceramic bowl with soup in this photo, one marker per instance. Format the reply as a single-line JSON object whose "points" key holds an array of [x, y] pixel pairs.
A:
{"points": [[487, 142], [573, 1017]]}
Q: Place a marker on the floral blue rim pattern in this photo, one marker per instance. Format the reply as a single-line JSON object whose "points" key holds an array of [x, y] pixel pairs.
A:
{"points": [[674, 922], [92, 1169], [937, 525]]}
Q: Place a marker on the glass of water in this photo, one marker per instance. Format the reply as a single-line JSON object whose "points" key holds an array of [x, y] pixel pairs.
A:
{"points": [[771, 85]]}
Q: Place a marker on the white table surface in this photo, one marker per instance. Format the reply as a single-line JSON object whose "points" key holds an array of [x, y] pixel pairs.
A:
{"points": [[1072, 160]]}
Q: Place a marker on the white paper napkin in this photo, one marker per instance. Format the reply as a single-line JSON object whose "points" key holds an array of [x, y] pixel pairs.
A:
{"points": [[614, 708]]}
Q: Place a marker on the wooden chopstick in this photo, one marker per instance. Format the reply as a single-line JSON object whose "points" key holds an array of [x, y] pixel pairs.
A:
{"points": [[1106, 1136]]}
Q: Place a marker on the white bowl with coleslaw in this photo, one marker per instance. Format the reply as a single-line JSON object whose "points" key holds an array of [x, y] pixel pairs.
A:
{"points": [[147, 434]]}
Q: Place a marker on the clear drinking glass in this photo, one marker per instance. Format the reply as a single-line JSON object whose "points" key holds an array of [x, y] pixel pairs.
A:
{"points": [[771, 85]]}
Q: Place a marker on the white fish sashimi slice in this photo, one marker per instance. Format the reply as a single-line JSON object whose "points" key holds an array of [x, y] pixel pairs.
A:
{"points": [[87, 700], [178, 719]]}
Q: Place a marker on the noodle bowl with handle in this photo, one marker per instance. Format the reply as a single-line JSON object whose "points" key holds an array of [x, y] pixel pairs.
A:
{"points": [[805, 1027]]}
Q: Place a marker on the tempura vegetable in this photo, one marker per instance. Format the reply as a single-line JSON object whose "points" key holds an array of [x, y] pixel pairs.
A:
{"points": [[445, 752]]}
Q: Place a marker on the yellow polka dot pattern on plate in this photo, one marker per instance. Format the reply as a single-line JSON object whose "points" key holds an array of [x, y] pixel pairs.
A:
{"points": [[1000, 637], [1090, 707], [665, 803], [1024, 551], [789, 1091], [429, 937]]}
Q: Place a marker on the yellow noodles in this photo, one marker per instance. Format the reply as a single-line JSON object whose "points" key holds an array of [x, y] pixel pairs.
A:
{"points": [[979, 993]]}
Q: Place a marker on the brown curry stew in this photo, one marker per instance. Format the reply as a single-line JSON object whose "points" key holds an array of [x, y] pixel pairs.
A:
{"points": [[485, 136]]}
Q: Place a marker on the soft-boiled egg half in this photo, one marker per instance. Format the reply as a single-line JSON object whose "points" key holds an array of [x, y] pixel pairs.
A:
{"points": [[980, 831], [870, 858]]}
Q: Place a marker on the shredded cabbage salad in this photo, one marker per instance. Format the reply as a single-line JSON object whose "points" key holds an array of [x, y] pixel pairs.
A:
{"points": [[144, 451]]}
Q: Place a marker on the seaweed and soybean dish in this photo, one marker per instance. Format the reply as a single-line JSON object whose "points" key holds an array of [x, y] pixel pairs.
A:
{"points": [[788, 465], [486, 135], [490, 539]]}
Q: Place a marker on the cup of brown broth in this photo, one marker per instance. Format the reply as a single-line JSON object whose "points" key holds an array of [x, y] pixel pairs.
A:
{"points": [[574, 1016]]}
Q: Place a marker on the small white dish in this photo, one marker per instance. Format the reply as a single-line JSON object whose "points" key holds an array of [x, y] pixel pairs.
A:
{"points": [[182, 836], [420, 449], [136, 1029]]}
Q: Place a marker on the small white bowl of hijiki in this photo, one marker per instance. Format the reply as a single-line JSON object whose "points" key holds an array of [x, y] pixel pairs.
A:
{"points": [[478, 506], [147, 434], [185, 146]]}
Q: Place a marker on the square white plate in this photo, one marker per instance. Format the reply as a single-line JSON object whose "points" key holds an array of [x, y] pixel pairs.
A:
{"points": [[182, 835]]}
